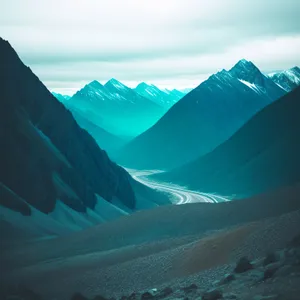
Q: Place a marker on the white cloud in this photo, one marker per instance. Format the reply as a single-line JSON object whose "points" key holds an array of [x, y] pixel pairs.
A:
{"points": [[171, 43]]}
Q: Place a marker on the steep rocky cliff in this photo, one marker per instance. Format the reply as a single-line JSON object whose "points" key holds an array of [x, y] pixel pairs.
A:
{"points": [[45, 155]]}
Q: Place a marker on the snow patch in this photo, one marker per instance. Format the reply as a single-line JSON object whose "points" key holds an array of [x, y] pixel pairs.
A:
{"points": [[286, 89], [291, 75], [118, 85], [252, 86]]}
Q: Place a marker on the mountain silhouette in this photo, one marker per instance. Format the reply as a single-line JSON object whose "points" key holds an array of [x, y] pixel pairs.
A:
{"points": [[45, 155]]}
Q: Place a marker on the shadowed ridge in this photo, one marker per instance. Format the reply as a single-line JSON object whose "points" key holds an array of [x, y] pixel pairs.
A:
{"points": [[45, 151]]}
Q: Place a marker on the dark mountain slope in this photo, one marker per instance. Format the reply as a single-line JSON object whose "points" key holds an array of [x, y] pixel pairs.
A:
{"points": [[203, 119], [262, 155], [45, 155]]}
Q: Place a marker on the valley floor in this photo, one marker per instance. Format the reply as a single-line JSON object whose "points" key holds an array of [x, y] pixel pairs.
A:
{"points": [[146, 250]]}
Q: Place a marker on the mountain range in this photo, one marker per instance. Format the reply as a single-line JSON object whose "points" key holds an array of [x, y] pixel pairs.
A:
{"points": [[262, 156], [186, 90], [288, 79], [114, 113], [166, 98], [60, 97], [118, 109], [202, 119]]}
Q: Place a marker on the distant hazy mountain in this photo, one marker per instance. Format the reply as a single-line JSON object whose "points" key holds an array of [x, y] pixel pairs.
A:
{"points": [[163, 98], [203, 119], [106, 140], [115, 107], [288, 79], [60, 97], [175, 93], [185, 91], [262, 155]]}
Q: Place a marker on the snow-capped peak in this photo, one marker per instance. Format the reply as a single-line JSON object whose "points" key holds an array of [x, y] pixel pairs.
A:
{"points": [[245, 62], [163, 97], [222, 74], [242, 66], [95, 84], [142, 85], [296, 70], [149, 90], [247, 71], [115, 83], [288, 79]]}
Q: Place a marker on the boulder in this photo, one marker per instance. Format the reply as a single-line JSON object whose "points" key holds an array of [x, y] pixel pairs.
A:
{"points": [[271, 270], [78, 296], [99, 297], [243, 265], [230, 296], [227, 279], [190, 288], [133, 296], [270, 258], [295, 242], [165, 292], [268, 297], [147, 295], [214, 294]]}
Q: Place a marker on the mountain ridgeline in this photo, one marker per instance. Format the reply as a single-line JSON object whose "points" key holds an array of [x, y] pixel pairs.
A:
{"points": [[288, 79], [203, 119], [113, 114], [115, 108], [60, 97], [262, 156], [45, 155], [165, 99]]}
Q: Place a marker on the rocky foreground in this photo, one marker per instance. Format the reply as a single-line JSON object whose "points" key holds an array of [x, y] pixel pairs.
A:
{"points": [[276, 276]]}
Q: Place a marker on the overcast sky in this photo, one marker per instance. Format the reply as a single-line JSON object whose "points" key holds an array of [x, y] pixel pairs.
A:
{"points": [[170, 43]]}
